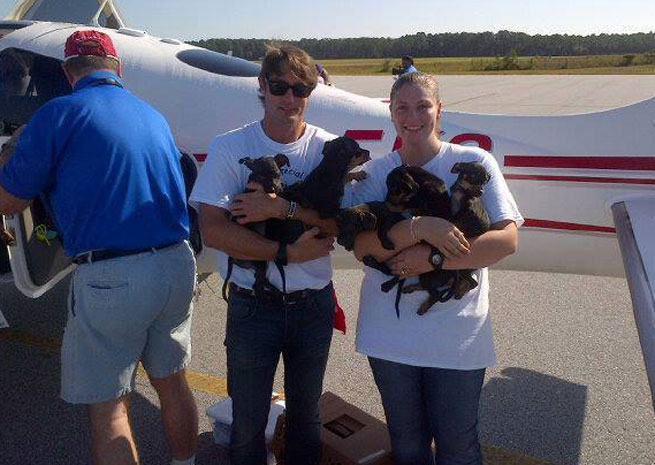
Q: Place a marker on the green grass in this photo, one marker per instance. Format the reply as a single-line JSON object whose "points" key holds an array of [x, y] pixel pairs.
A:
{"points": [[588, 64]]}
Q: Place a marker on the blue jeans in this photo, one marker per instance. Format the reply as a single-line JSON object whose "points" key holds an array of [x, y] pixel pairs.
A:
{"points": [[257, 333], [422, 404]]}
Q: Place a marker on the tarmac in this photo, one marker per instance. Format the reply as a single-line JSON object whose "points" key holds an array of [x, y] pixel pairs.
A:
{"points": [[570, 387]]}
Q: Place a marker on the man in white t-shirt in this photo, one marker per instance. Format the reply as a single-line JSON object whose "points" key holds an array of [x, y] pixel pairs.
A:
{"points": [[296, 324]]}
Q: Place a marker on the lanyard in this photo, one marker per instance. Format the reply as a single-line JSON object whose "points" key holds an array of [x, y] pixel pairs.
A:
{"points": [[107, 82]]}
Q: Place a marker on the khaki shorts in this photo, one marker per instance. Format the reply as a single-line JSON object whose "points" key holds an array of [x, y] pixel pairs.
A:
{"points": [[124, 310]]}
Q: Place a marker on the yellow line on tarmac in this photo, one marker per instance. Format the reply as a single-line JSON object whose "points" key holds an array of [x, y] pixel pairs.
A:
{"points": [[214, 385], [197, 381]]}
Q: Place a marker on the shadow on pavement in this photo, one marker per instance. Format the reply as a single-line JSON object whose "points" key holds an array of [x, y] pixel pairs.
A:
{"points": [[534, 414]]}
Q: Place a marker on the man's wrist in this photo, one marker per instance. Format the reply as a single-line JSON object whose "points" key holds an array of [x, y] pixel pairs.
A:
{"points": [[284, 208], [293, 208]]}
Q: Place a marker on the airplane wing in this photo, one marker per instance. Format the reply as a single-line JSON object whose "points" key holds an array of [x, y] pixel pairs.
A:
{"points": [[635, 222]]}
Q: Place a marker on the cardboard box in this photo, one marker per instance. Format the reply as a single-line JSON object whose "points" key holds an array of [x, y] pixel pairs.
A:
{"points": [[349, 436], [221, 414]]}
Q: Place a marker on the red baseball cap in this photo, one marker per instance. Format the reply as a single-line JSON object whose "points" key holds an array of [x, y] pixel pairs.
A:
{"points": [[89, 42]]}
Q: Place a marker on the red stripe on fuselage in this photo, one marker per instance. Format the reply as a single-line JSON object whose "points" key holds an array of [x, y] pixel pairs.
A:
{"points": [[564, 226], [365, 134], [596, 179], [597, 163], [201, 157]]}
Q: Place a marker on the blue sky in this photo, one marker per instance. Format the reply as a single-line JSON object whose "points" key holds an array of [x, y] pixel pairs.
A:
{"points": [[287, 19]]}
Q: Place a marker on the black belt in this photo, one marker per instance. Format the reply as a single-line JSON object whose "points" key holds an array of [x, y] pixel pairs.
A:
{"points": [[100, 255], [277, 296]]}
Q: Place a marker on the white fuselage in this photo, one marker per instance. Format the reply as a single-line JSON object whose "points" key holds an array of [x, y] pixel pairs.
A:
{"points": [[565, 171]]}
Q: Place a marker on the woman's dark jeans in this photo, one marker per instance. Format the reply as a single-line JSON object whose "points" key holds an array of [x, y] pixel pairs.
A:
{"points": [[422, 404]]}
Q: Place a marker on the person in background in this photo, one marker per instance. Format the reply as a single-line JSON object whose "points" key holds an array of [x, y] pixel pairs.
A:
{"points": [[323, 76], [108, 163], [430, 368], [407, 64]]}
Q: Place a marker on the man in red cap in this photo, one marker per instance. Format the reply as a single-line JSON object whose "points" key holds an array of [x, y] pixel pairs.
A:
{"points": [[109, 166]]}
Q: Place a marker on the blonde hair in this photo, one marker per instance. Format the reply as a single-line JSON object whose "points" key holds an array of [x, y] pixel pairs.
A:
{"points": [[425, 81]]}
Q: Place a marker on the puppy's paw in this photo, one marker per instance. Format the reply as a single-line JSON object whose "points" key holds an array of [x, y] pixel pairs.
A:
{"points": [[356, 176]]}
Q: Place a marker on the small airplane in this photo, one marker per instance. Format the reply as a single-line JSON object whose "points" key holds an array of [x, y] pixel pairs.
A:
{"points": [[585, 183]]}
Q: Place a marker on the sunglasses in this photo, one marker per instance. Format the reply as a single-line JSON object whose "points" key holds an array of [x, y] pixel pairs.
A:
{"points": [[280, 88]]}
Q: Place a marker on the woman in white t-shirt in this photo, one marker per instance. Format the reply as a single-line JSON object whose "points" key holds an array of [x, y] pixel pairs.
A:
{"points": [[430, 368]]}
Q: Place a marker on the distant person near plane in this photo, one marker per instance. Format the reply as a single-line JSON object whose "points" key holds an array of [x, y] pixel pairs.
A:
{"points": [[323, 75], [109, 165], [407, 63]]}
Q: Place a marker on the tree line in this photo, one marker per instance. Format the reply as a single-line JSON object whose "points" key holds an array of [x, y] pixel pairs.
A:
{"points": [[461, 44]]}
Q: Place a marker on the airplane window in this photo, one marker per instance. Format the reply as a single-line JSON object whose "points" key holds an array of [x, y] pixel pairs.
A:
{"points": [[106, 18], [27, 81], [63, 11], [218, 63]]}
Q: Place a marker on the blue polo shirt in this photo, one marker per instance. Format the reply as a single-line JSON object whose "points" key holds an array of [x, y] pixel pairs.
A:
{"points": [[109, 164]]}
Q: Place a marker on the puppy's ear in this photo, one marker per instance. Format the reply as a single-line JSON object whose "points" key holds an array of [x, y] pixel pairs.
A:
{"points": [[249, 162], [326, 146], [457, 168], [412, 185], [281, 160]]}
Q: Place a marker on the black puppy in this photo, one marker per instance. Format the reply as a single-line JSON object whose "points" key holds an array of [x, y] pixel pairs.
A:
{"points": [[265, 171], [372, 216], [381, 216], [323, 188]]}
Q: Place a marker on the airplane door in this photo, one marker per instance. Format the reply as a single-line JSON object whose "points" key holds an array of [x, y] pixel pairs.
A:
{"points": [[35, 250], [37, 257]]}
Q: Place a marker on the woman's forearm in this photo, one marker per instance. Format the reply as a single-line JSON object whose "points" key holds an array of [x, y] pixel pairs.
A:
{"points": [[487, 249]]}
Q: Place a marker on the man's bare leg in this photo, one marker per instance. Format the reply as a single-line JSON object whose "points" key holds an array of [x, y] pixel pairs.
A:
{"points": [[179, 414], [111, 435]]}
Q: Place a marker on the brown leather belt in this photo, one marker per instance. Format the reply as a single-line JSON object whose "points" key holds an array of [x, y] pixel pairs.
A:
{"points": [[277, 297]]}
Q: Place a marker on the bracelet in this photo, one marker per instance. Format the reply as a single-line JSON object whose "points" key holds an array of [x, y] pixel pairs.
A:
{"points": [[411, 228], [293, 206]]}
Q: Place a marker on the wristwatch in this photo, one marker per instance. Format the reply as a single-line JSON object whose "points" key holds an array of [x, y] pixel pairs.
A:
{"points": [[436, 259]]}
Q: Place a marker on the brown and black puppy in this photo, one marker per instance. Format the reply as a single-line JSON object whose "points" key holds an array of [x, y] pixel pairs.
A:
{"points": [[372, 216], [323, 188], [266, 172], [469, 215], [412, 189]]}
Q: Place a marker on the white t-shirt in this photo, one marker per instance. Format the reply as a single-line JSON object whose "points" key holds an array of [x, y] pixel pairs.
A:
{"points": [[455, 334], [222, 177]]}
